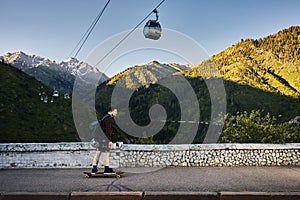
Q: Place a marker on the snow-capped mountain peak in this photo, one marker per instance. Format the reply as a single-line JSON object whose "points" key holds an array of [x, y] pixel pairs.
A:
{"points": [[24, 62], [75, 66], [60, 75]]}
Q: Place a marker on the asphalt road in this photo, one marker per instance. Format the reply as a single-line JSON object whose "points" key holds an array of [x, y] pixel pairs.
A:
{"points": [[211, 179]]}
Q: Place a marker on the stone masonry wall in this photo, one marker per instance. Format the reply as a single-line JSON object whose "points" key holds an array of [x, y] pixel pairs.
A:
{"points": [[80, 155], [216, 155], [51, 155]]}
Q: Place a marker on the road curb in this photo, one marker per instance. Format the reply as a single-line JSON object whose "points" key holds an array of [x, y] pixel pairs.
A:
{"points": [[34, 196], [260, 195], [180, 195], [106, 195], [149, 195]]}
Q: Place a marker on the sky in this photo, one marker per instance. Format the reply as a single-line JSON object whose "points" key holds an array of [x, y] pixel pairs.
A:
{"points": [[52, 28]]}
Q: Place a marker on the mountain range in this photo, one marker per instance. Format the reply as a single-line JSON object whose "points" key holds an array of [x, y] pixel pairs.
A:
{"points": [[271, 64], [258, 74], [144, 75], [58, 75]]}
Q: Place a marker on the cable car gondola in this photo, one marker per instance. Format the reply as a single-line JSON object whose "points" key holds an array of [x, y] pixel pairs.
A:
{"points": [[55, 93], [152, 29]]}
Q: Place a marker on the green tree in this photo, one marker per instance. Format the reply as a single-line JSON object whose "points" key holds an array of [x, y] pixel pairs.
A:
{"points": [[252, 127]]}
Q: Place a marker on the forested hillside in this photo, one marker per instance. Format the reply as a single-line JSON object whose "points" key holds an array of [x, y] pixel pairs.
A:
{"points": [[260, 76], [271, 64], [30, 113]]}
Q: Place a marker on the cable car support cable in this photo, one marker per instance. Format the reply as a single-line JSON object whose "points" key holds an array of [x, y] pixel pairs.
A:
{"points": [[89, 31], [127, 35]]}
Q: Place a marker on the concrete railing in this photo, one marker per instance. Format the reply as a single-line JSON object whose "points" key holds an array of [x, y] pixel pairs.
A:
{"points": [[80, 155]]}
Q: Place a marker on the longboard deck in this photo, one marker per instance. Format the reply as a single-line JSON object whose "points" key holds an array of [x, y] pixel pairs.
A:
{"points": [[102, 174]]}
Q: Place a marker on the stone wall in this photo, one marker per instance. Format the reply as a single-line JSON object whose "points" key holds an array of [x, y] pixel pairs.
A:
{"points": [[50, 155], [80, 155], [205, 155]]}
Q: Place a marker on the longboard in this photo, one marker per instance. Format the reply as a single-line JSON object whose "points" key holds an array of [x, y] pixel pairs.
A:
{"points": [[102, 174]]}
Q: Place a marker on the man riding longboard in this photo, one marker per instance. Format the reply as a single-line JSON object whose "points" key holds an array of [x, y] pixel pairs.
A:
{"points": [[104, 143]]}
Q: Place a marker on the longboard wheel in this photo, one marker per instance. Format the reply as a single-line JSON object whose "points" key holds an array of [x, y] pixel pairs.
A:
{"points": [[118, 176], [87, 176]]}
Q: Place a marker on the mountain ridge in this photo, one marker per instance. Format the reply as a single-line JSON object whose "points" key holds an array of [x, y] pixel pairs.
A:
{"points": [[255, 78], [257, 74], [261, 63], [146, 74], [58, 75]]}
